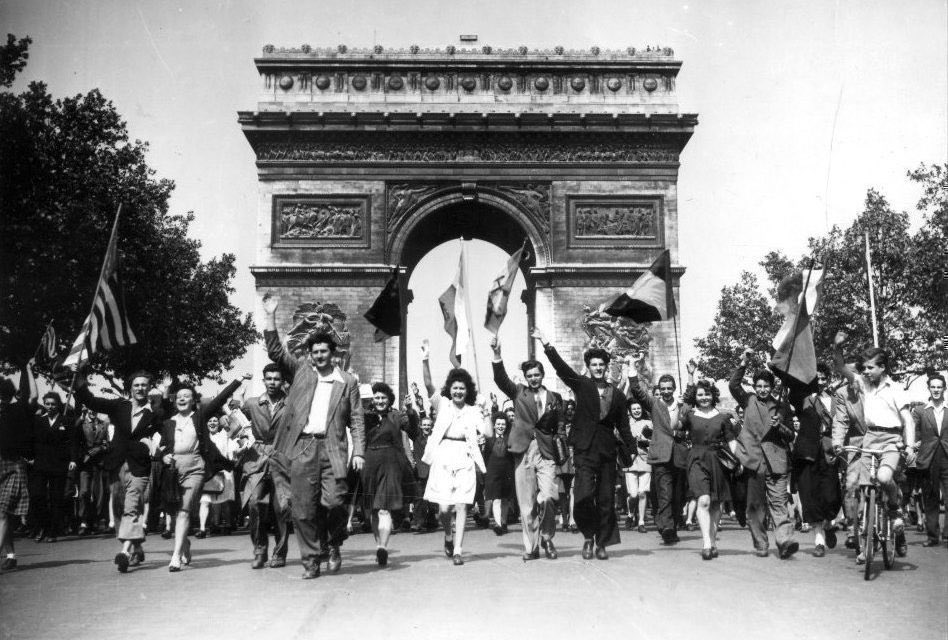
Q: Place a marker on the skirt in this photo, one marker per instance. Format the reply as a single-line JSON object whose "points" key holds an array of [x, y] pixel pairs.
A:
{"points": [[14, 493], [190, 473], [817, 483], [225, 481], [706, 476], [382, 479], [452, 479], [499, 479]]}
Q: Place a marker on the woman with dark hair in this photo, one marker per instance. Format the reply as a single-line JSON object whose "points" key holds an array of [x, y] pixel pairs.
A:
{"points": [[499, 479], [453, 451], [707, 429], [190, 456], [638, 476], [382, 474]]}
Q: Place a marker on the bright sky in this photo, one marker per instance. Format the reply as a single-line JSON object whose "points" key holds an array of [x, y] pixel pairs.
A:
{"points": [[803, 105]]}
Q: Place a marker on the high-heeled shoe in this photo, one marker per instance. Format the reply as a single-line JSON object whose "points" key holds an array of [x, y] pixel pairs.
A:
{"points": [[714, 552], [706, 554], [175, 565], [186, 552], [449, 548]]}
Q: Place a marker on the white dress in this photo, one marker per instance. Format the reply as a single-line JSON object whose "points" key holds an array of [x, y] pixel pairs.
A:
{"points": [[453, 476]]}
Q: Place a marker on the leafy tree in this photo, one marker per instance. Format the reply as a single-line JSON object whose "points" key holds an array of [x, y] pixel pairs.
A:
{"points": [[745, 318], [909, 274], [65, 166]]}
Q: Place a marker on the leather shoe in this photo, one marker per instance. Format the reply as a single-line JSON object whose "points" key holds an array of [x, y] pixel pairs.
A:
{"points": [[201, 534], [449, 548], [850, 542], [50, 539], [714, 552], [381, 556], [458, 560], [259, 561], [311, 571], [901, 547], [706, 554], [277, 562], [8, 564], [642, 529], [121, 561], [138, 557], [549, 549], [39, 536], [789, 549], [931, 542], [167, 534], [335, 559], [588, 550], [601, 553], [532, 555], [762, 553], [819, 551], [498, 530]]}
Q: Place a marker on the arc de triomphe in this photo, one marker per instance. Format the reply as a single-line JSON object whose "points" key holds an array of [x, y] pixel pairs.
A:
{"points": [[368, 159]]}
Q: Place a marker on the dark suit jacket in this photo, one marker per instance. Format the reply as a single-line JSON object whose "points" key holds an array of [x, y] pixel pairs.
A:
{"points": [[214, 461], [663, 447], [527, 425], [345, 408], [927, 433], [263, 424], [757, 441], [54, 445], [125, 445], [590, 434]]}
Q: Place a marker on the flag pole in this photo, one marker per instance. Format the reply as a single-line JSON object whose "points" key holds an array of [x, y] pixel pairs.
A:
{"points": [[75, 377], [467, 311], [677, 350], [40, 345], [872, 293]]}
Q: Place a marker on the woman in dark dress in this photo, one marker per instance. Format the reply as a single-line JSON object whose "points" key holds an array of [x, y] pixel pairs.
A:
{"points": [[499, 479], [383, 470], [708, 429]]}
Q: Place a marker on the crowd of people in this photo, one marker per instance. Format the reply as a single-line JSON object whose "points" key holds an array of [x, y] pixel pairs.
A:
{"points": [[317, 448]]}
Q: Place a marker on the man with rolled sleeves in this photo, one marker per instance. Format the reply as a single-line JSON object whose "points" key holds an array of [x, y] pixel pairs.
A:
{"points": [[312, 446]]}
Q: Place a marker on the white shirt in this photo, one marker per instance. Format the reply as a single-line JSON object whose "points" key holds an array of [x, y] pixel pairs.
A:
{"points": [[673, 412], [882, 406], [939, 412], [185, 436], [137, 413], [319, 410], [540, 399]]}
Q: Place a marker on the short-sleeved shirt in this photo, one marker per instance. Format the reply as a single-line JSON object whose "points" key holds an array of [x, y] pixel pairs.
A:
{"points": [[882, 406]]}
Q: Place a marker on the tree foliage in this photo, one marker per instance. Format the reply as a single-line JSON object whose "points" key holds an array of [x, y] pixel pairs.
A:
{"points": [[909, 272], [66, 164]]}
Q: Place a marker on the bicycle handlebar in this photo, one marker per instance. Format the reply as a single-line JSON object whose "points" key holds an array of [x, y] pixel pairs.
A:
{"points": [[874, 452]]}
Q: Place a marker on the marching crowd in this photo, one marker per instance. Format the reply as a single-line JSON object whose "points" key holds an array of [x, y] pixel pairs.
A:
{"points": [[315, 449]]}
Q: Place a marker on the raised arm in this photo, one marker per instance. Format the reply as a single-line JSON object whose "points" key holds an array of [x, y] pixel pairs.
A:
{"points": [[839, 363], [840, 418], [566, 373], [426, 367], [640, 395], [27, 393], [97, 404], [501, 379], [736, 384], [215, 405], [409, 421], [271, 337]]}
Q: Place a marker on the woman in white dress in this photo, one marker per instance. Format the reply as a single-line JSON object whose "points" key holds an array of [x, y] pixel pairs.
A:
{"points": [[453, 452]]}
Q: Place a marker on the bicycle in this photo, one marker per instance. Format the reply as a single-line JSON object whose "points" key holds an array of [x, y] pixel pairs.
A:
{"points": [[876, 530]]}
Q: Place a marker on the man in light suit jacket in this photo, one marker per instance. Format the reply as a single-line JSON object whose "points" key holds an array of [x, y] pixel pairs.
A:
{"points": [[312, 446], [763, 452], [264, 492], [931, 427], [538, 416], [666, 453], [849, 428]]}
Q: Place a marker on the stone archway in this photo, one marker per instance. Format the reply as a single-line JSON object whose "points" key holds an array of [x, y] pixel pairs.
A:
{"points": [[360, 154]]}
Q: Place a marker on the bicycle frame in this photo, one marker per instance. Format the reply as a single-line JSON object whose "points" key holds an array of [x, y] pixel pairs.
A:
{"points": [[876, 524]]}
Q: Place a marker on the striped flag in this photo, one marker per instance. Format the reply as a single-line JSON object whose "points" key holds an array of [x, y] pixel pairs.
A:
{"points": [[500, 291], [107, 324], [797, 297], [454, 309], [650, 299]]}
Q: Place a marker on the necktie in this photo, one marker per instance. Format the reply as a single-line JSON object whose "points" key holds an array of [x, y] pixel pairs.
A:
{"points": [[539, 405]]}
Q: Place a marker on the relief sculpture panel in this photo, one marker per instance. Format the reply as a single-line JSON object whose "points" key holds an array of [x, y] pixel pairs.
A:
{"points": [[617, 221], [321, 221]]}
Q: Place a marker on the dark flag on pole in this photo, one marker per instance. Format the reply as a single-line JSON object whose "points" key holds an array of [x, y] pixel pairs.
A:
{"points": [[650, 298], [107, 323], [385, 314]]}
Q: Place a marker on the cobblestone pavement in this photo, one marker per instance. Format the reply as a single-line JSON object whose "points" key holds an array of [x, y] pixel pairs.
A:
{"points": [[71, 589]]}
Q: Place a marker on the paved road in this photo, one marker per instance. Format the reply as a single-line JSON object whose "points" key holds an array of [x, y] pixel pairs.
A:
{"points": [[71, 590]]}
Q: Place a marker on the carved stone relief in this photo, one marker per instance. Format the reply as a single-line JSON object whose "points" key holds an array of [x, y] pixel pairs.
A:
{"points": [[631, 221], [321, 317], [320, 220]]}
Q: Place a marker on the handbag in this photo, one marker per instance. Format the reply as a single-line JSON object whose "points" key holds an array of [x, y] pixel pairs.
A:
{"points": [[727, 459], [214, 484], [560, 450], [623, 455]]}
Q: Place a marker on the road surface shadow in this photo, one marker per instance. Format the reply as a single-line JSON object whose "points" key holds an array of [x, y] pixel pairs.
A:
{"points": [[51, 564]]}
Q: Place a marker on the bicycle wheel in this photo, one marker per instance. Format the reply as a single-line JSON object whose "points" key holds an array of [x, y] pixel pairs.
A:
{"points": [[869, 532], [887, 536]]}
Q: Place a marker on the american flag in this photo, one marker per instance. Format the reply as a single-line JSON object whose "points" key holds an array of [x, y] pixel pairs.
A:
{"points": [[107, 324]]}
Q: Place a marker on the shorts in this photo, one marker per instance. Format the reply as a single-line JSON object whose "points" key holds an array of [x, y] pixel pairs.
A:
{"points": [[637, 482]]}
